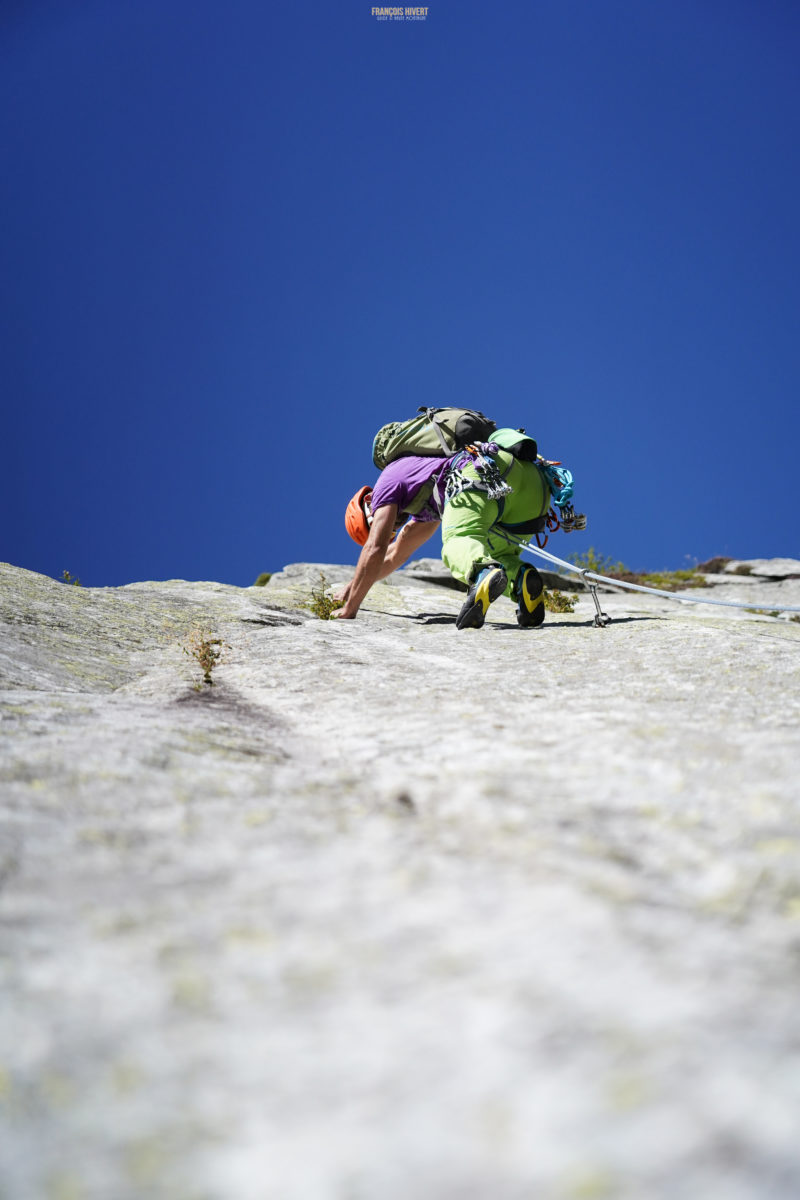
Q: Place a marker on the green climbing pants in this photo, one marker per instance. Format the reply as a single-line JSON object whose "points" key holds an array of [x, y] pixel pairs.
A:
{"points": [[472, 524]]}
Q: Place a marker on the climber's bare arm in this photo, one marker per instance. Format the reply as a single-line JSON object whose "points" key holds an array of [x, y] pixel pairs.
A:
{"points": [[370, 561], [413, 535], [409, 539]]}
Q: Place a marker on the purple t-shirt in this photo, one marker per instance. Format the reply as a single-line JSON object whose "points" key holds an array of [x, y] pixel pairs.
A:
{"points": [[400, 482]]}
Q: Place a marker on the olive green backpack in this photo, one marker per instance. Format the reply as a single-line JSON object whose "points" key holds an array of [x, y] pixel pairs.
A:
{"points": [[441, 432]]}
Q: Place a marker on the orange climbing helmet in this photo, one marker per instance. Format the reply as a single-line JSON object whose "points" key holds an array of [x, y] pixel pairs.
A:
{"points": [[358, 516]]}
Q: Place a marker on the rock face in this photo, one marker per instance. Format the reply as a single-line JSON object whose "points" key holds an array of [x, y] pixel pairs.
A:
{"points": [[764, 568], [392, 910]]}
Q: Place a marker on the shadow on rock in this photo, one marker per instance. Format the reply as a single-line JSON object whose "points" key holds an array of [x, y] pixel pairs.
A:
{"points": [[221, 698], [504, 626]]}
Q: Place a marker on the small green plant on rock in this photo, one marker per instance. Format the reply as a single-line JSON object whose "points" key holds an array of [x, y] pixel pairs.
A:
{"points": [[206, 651], [672, 581], [70, 579], [263, 579], [590, 560], [321, 602], [560, 602], [665, 581]]}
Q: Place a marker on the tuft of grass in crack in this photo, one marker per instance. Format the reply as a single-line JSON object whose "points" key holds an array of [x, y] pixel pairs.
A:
{"points": [[560, 602], [321, 602], [207, 652]]}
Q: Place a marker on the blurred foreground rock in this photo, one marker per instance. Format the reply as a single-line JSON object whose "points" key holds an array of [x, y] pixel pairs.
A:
{"points": [[394, 911]]}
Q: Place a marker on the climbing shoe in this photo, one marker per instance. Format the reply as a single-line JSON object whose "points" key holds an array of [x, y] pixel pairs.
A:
{"points": [[529, 595], [490, 584]]}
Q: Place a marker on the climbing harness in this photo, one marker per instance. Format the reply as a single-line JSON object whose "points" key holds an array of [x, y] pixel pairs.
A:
{"points": [[592, 578]]}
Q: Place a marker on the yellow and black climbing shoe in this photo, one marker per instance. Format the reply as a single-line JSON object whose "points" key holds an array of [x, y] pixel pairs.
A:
{"points": [[529, 595], [490, 584]]}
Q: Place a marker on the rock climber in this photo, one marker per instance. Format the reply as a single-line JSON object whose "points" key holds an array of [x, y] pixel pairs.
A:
{"points": [[477, 499]]}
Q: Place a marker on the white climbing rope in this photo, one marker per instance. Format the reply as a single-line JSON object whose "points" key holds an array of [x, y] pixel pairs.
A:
{"points": [[638, 587]]}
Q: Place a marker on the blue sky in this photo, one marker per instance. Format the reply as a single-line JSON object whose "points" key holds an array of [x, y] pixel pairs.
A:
{"points": [[238, 238]]}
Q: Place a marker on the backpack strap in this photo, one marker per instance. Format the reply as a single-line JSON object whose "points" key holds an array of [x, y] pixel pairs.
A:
{"points": [[430, 413]]}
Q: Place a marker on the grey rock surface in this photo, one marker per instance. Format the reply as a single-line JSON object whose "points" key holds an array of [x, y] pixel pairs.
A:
{"points": [[393, 910], [764, 568]]}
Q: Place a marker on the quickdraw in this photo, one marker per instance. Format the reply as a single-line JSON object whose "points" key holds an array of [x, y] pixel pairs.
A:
{"points": [[489, 478]]}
